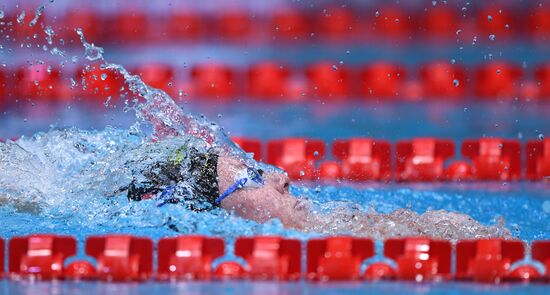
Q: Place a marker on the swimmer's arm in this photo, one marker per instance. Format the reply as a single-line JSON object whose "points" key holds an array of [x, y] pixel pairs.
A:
{"points": [[20, 206]]}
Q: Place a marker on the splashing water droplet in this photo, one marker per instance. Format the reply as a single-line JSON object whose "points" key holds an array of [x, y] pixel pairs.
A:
{"points": [[37, 13], [91, 52], [21, 17], [456, 83], [49, 34]]}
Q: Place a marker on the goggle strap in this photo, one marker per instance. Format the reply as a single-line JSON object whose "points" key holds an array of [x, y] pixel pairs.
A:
{"points": [[237, 185]]}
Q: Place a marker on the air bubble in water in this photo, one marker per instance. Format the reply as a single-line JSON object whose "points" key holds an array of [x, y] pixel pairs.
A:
{"points": [[456, 83], [492, 37], [103, 76], [541, 136], [489, 17]]}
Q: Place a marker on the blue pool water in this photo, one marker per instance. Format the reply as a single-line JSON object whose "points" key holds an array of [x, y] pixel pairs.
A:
{"points": [[268, 288], [82, 210], [524, 206]]}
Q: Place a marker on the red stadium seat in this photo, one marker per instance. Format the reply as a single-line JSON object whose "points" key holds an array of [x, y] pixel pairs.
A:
{"points": [[188, 257], [337, 258], [497, 80], [328, 80], [213, 81], [443, 80], [235, 25], [99, 83], [423, 159], [498, 21], [540, 250], [297, 156], [382, 80], [440, 23], [121, 257], [494, 158], [390, 23], [288, 25], [487, 260], [336, 23], [542, 75], [363, 159], [39, 81], [40, 256], [130, 27], [271, 257], [539, 23], [158, 76], [184, 26], [250, 145], [268, 80], [538, 159], [84, 19], [420, 259]]}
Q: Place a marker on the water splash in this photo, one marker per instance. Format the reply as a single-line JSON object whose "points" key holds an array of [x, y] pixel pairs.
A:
{"points": [[74, 177]]}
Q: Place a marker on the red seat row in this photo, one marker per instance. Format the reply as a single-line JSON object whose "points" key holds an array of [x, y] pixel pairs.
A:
{"points": [[272, 81], [130, 258], [419, 159], [334, 23]]}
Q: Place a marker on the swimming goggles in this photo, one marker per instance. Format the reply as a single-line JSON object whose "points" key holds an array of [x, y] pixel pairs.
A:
{"points": [[247, 177]]}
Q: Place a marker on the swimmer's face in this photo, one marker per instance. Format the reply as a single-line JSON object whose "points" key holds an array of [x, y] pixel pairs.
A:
{"points": [[271, 200]]}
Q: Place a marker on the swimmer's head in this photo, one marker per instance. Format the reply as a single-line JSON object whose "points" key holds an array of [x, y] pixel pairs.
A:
{"points": [[259, 202]]}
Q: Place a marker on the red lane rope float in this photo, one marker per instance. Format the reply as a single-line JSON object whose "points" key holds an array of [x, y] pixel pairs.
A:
{"points": [[274, 81], [419, 159], [337, 258], [331, 24], [40, 256], [188, 257], [121, 257], [487, 260], [420, 259], [422, 159], [341, 258], [297, 156], [541, 251]]}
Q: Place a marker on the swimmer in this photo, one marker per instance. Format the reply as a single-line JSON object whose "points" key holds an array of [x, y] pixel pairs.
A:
{"points": [[216, 179]]}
